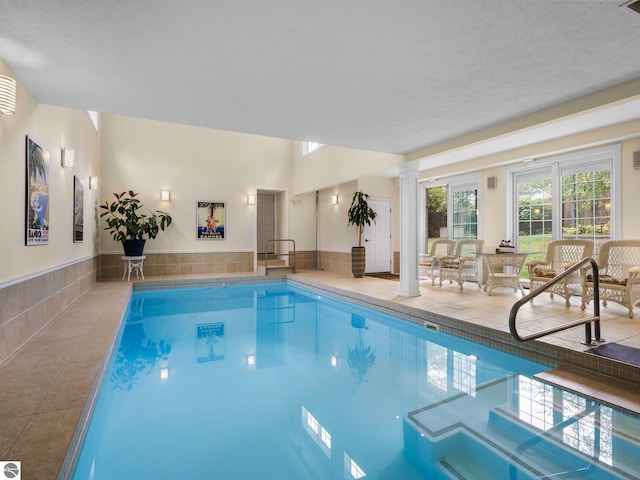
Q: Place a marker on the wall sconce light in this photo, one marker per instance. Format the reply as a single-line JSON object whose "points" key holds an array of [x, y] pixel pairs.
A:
{"points": [[334, 199], [334, 360], [93, 182], [165, 195], [164, 373], [7, 95], [251, 199], [251, 359], [68, 157]]}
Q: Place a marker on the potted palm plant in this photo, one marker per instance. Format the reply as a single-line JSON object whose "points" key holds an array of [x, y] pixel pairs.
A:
{"points": [[127, 224], [360, 214]]}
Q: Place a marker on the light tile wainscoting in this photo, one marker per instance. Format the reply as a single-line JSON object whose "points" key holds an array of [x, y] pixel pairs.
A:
{"points": [[160, 264], [156, 264], [26, 307], [336, 262]]}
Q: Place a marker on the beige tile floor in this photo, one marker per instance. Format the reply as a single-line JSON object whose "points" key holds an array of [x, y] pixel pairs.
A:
{"points": [[45, 385]]}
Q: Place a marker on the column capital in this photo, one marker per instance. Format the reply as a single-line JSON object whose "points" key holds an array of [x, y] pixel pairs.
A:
{"points": [[409, 167]]}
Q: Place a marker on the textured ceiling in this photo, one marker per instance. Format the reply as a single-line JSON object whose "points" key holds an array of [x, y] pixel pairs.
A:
{"points": [[378, 75]]}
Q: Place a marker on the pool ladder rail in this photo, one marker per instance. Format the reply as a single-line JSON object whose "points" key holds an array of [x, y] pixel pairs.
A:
{"points": [[595, 319], [291, 256]]}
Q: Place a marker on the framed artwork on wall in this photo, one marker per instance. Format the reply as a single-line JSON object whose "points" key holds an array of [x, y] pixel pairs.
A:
{"points": [[210, 221], [37, 201], [78, 210]]}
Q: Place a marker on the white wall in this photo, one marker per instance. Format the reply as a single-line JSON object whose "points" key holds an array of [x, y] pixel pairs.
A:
{"points": [[302, 220], [195, 164], [630, 190], [335, 234], [330, 166], [52, 128]]}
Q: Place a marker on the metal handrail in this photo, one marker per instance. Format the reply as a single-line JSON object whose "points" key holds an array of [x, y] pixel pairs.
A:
{"points": [[266, 254], [588, 340]]}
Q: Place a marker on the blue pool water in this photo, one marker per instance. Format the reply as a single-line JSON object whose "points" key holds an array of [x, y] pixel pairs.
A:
{"points": [[276, 382]]}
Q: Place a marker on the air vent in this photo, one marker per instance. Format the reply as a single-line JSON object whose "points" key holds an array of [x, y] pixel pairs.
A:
{"points": [[636, 159], [632, 8]]}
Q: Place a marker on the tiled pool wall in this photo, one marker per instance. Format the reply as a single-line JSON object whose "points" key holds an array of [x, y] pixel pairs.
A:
{"points": [[539, 351], [207, 282], [29, 305]]}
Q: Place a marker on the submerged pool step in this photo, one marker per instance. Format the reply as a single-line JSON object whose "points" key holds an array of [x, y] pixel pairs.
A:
{"points": [[459, 465], [496, 433]]}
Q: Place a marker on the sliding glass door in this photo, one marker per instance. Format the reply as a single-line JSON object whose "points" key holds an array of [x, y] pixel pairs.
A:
{"points": [[450, 210], [565, 197], [464, 214], [535, 211]]}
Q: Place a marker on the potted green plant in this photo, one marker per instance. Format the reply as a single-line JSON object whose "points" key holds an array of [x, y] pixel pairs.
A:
{"points": [[360, 214], [127, 224]]}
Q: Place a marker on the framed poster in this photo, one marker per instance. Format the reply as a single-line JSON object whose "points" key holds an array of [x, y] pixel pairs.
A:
{"points": [[78, 210], [210, 343], [37, 201], [210, 220]]}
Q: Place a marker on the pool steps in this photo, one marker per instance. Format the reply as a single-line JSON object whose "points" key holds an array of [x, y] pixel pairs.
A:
{"points": [[444, 442]]}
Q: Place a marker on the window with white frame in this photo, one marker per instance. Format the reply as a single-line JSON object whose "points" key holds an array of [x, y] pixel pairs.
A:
{"points": [[93, 116], [565, 197], [308, 147], [451, 209]]}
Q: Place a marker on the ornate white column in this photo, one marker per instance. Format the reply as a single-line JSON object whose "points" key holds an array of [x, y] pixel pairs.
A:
{"points": [[409, 285]]}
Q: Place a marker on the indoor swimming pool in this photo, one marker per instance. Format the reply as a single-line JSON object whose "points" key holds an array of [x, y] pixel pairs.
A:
{"points": [[275, 381]]}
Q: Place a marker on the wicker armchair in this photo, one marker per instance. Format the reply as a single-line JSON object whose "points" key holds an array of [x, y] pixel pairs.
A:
{"points": [[429, 264], [619, 275], [464, 265], [561, 255]]}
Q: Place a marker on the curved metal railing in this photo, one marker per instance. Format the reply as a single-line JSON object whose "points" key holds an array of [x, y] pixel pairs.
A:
{"points": [[595, 319]]}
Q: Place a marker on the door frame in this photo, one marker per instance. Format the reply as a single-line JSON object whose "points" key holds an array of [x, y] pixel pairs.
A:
{"points": [[281, 219], [387, 240]]}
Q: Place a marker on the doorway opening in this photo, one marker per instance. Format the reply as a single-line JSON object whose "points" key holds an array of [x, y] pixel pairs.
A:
{"points": [[271, 223]]}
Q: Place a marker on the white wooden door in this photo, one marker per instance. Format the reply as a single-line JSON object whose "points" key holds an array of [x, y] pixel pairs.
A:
{"points": [[377, 238]]}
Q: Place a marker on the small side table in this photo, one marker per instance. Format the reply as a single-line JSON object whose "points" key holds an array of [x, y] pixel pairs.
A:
{"points": [[504, 270], [133, 263]]}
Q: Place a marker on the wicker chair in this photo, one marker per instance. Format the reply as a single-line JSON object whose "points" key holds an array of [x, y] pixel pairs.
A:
{"points": [[429, 264], [464, 265], [619, 275], [561, 255]]}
